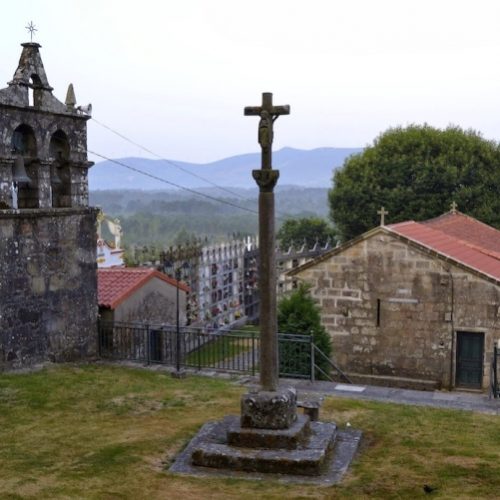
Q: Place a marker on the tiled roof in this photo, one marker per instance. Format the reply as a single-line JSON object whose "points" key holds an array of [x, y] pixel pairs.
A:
{"points": [[458, 237], [114, 285], [453, 235], [468, 229]]}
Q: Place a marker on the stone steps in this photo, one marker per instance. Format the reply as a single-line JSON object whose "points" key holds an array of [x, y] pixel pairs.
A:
{"points": [[307, 459]]}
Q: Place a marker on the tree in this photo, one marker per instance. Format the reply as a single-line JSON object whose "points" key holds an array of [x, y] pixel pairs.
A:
{"points": [[308, 229], [416, 173], [298, 313]]}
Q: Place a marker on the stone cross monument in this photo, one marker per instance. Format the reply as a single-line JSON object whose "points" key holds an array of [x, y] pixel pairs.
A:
{"points": [[269, 436], [266, 179]]}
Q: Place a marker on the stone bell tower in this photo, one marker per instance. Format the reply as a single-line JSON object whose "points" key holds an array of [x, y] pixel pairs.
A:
{"points": [[48, 304]]}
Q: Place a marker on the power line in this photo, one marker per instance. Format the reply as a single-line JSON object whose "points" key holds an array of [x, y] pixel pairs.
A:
{"points": [[170, 162], [278, 215], [152, 176]]}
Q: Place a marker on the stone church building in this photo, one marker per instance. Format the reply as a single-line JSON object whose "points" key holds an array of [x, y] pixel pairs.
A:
{"points": [[48, 283], [413, 304]]}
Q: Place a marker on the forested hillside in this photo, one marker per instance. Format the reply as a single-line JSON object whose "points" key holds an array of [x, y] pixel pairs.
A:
{"points": [[166, 217]]}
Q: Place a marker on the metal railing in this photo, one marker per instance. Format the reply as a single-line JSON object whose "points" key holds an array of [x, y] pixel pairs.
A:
{"points": [[494, 375], [318, 354], [204, 348], [191, 348]]}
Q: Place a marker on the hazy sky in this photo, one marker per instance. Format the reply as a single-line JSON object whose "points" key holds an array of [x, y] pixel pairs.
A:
{"points": [[175, 75]]}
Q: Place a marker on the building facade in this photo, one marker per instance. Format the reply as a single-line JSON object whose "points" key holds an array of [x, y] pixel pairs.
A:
{"points": [[140, 295], [48, 287], [109, 253], [224, 278], [220, 284], [413, 304]]}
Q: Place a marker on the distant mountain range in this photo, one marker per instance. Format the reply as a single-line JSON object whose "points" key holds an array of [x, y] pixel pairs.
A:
{"points": [[306, 168]]}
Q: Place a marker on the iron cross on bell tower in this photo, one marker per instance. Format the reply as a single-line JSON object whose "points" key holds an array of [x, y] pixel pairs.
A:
{"points": [[266, 179]]}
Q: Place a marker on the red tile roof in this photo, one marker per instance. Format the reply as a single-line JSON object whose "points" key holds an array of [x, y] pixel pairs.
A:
{"points": [[115, 284], [468, 229], [459, 237]]}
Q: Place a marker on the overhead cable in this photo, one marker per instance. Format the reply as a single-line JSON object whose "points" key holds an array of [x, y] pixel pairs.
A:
{"points": [[160, 179], [170, 162]]}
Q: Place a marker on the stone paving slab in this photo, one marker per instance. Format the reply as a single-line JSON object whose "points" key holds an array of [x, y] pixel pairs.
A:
{"points": [[476, 402]]}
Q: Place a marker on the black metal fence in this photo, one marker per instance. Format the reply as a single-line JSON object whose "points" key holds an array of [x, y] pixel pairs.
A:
{"points": [[202, 348], [494, 375]]}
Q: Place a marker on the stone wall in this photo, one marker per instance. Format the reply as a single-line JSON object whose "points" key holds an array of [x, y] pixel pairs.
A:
{"points": [[154, 302], [48, 285], [73, 169], [393, 309]]}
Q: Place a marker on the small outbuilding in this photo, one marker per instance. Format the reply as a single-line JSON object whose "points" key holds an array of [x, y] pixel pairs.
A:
{"points": [[140, 295], [413, 304]]}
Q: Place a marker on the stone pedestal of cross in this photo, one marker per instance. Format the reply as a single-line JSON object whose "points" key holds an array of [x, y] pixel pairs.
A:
{"points": [[257, 410]]}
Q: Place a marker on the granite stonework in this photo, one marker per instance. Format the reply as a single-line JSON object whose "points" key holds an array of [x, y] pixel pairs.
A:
{"points": [[48, 282], [269, 409], [268, 437], [306, 458], [299, 449], [48, 286], [289, 438], [393, 310], [49, 136], [323, 459]]}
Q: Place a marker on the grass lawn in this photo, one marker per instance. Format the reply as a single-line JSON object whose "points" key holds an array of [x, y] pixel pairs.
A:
{"points": [[221, 348], [109, 432]]}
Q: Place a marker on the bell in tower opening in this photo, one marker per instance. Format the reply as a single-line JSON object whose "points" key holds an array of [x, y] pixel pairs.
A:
{"points": [[48, 284]]}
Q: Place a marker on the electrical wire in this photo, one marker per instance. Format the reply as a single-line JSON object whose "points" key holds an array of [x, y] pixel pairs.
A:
{"points": [[189, 190], [170, 162], [279, 216]]}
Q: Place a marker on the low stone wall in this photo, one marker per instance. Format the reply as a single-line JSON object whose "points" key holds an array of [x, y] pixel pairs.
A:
{"points": [[48, 286]]}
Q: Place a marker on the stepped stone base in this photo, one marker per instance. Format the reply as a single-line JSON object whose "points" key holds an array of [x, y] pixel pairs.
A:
{"points": [[271, 439], [248, 437], [307, 459], [323, 458]]}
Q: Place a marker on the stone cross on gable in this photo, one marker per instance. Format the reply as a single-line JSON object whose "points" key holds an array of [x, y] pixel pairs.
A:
{"points": [[382, 212], [453, 207]]}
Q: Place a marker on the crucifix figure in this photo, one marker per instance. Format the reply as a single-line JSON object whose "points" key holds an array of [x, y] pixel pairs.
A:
{"points": [[266, 179], [268, 115], [382, 212]]}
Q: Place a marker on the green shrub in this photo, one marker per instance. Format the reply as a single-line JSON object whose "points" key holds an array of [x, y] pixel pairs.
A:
{"points": [[299, 314]]}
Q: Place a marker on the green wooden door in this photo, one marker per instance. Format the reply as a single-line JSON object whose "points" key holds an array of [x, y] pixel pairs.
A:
{"points": [[470, 348]]}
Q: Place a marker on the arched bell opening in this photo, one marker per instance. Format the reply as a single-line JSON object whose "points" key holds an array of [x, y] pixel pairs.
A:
{"points": [[24, 170], [35, 91], [60, 174]]}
